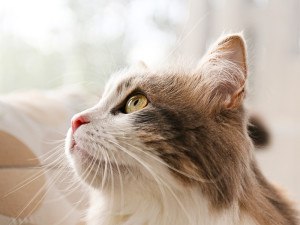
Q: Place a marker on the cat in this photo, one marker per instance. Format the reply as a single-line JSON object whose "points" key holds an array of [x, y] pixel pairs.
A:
{"points": [[172, 147]]}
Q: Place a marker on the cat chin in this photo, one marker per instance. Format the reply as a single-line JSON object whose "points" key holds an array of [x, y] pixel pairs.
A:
{"points": [[100, 174], [103, 176], [91, 173]]}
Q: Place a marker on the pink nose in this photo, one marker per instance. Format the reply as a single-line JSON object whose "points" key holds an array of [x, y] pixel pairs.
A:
{"points": [[78, 121]]}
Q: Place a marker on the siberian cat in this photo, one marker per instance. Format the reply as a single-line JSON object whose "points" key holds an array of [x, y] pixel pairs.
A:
{"points": [[172, 147]]}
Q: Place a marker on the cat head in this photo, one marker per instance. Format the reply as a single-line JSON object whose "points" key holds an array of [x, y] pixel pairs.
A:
{"points": [[179, 127]]}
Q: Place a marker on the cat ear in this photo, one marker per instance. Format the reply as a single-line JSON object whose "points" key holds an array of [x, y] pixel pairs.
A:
{"points": [[224, 70]]}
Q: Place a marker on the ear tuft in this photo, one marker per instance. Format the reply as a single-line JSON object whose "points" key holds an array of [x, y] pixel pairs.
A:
{"points": [[224, 69]]}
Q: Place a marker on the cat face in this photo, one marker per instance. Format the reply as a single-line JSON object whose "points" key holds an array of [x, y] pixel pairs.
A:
{"points": [[191, 132]]}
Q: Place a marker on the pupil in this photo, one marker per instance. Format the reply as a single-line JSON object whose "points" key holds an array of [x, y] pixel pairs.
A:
{"points": [[136, 102]]}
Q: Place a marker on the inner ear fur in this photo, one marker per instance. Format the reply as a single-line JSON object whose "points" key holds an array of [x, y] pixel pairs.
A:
{"points": [[224, 69]]}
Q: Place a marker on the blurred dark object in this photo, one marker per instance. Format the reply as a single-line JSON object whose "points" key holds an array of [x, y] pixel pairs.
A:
{"points": [[258, 132]]}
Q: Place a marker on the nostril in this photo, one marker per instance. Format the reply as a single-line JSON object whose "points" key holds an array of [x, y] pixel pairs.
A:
{"points": [[77, 122]]}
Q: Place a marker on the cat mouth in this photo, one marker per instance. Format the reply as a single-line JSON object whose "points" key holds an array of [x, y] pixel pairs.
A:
{"points": [[86, 158], [84, 154]]}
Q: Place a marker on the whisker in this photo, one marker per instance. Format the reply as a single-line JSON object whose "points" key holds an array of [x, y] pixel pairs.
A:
{"points": [[121, 182], [89, 169], [54, 150], [24, 183], [174, 169], [111, 178], [157, 178], [32, 199]]}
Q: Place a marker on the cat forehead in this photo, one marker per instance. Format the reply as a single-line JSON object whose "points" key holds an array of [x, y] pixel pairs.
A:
{"points": [[128, 80], [122, 81], [168, 84]]}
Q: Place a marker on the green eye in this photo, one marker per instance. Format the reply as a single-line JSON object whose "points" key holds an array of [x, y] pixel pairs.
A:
{"points": [[135, 103]]}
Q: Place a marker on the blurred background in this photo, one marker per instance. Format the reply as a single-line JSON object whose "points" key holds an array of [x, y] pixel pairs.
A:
{"points": [[47, 44]]}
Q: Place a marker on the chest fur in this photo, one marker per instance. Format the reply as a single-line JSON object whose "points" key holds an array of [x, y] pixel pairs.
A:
{"points": [[137, 209]]}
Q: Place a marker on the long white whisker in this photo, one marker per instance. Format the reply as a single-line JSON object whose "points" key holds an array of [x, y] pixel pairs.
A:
{"points": [[30, 179], [121, 182], [157, 178], [24, 183], [89, 168], [111, 178], [172, 168]]}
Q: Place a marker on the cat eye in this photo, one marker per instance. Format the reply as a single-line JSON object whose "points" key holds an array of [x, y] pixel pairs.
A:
{"points": [[135, 103]]}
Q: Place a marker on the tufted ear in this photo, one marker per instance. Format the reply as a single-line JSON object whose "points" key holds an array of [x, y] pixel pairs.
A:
{"points": [[224, 71]]}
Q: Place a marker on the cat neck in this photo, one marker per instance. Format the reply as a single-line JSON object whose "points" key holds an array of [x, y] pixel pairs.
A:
{"points": [[160, 207], [138, 204]]}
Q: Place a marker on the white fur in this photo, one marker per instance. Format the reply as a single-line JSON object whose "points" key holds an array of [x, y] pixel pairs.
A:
{"points": [[150, 209]]}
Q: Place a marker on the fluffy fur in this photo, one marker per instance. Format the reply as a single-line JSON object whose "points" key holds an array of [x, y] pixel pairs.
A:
{"points": [[186, 158]]}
